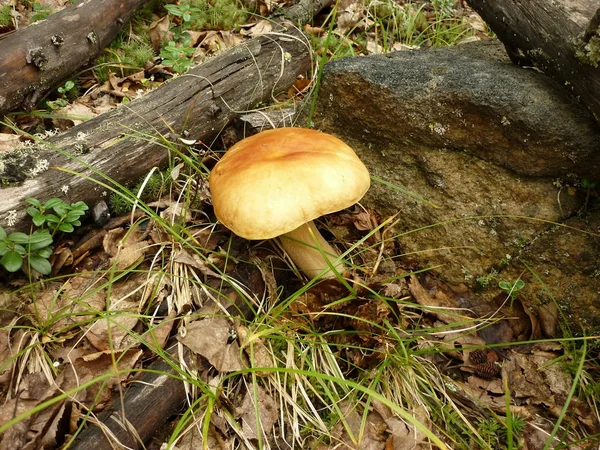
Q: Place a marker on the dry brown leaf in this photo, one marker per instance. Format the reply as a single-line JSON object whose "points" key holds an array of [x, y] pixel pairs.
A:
{"points": [[81, 371], [254, 347], [125, 246], [78, 112], [158, 335], [213, 339], [32, 390], [256, 29], [348, 15], [548, 318], [403, 436], [120, 324], [8, 142], [77, 302], [159, 31], [127, 299], [61, 257], [268, 412], [436, 302], [352, 434], [193, 260], [216, 41]]}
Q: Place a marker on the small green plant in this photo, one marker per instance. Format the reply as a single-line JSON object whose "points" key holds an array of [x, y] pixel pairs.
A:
{"points": [[185, 12], [40, 12], [35, 249], [66, 92], [588, 186], [17, 247], [177, 57], [484, 281], [56, 215], [511, 289]]}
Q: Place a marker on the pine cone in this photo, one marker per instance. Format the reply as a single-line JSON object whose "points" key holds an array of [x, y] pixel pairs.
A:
{"points": [[488, 370], [478, 356]]}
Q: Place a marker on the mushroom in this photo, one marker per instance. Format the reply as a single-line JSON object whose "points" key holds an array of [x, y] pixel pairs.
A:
{"points": [[277, 182]]}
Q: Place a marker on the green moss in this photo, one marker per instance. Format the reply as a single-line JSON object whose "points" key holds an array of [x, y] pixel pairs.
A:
{"points": [[217, 14], [5, 17], [123, 58]]}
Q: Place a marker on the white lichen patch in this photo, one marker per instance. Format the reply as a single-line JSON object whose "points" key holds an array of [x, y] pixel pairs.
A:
{"points": [[40, 166], [11, 217]]}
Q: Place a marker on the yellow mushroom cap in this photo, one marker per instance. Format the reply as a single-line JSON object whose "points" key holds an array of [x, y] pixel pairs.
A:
{"points": [[273, 182]]}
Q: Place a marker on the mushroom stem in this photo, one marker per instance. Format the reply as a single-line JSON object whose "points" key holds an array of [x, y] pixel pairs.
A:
{"points": [[308, 249]]}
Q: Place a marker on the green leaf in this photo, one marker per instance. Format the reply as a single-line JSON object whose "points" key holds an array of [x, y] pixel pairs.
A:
{"points": [[40, 264], [2, 233], [74, 215], [35, 202], [66, 227], [32, 211], [11, 261], [3, 248], [45, 252], [38, 219], [52, 219], [52, 202], [18, 238], [61, 209], [79, 206], [519, 284], [20, 249], [40, 239]]}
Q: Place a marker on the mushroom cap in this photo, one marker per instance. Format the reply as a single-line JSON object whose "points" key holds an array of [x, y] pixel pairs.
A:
{"points": [[273, 182]]}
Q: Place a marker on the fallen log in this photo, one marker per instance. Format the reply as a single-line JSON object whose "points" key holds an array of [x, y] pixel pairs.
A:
{"points": [[37, 58], [123, 144], [560, 38]]}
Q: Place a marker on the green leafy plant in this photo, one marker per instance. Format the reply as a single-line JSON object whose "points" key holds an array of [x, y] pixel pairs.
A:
{"points": [[511, 289], [67, 92], [35, 249], [185, 12], [589, 187], [40, 12], [56, 215], [17, 247], [177, 57]]}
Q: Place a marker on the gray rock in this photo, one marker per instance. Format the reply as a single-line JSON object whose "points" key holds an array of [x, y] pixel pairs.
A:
{"points": [[482, 139]]}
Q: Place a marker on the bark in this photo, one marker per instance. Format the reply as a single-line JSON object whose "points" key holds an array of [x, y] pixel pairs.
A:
{"points": [[124, 144], [561, 38], [37, 58], [304, 10]]}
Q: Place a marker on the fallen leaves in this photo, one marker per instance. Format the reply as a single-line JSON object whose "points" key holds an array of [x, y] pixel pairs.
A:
{"points": [[215, 340]]}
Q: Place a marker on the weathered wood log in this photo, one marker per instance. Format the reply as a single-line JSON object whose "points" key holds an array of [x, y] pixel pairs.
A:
{"points": [[123, 144], [37, 58], [561, 38]]}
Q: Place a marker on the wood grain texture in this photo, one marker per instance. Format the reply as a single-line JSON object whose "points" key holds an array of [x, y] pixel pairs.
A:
{"points": [[37, 58]]}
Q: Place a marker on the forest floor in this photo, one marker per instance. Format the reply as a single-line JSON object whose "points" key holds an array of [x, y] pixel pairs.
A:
{"points": [[253, 354]]}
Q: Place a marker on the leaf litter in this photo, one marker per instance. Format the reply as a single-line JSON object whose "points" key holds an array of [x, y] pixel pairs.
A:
{"points": [[85, 328]]}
